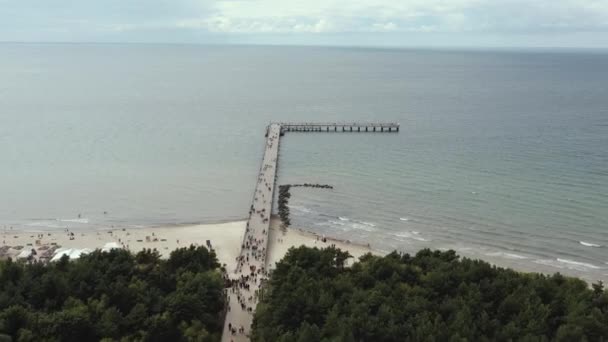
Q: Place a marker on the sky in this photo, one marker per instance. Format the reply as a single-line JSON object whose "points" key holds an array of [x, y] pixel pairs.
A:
{"points": [[433, 23]]}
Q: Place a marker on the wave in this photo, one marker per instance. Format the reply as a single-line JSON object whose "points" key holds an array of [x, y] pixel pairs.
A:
{"points": [[577, 263], [507, 255], [413, 235], [345, 224], [300, 209], [566, 263], [55, 223], [404, 219], [332, 224], [75, 220], [45, 224], [360, 226], [589, 244]]}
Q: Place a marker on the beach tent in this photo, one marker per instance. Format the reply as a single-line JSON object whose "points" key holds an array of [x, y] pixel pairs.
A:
{"points": [[61, 252], [24, 254], [110, 246], [72, 253]]}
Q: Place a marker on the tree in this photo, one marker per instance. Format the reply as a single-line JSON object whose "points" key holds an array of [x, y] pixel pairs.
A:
{"points": [[113, 296], [432, 296]]}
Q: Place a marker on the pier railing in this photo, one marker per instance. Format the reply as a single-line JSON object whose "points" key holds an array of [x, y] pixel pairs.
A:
{"points": [[381, 127]]}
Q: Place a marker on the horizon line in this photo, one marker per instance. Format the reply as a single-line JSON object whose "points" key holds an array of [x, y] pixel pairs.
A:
{"points": [[351, 46]]}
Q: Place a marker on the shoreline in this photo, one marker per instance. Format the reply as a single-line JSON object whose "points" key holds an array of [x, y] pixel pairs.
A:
{"points": [[82, 224], [225, 237]]}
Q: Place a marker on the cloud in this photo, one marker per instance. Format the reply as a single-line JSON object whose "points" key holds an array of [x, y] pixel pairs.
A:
{"points": [[125, 20], [283, 16]]}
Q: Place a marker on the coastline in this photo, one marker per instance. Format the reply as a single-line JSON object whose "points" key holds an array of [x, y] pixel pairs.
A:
{"points": [[225, 238]]}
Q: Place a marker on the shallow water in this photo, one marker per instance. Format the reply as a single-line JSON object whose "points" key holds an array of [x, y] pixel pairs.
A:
{"points": [[501, 155]]}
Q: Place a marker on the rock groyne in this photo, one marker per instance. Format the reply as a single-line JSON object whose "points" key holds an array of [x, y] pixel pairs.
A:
{"points": [[285, 194]]}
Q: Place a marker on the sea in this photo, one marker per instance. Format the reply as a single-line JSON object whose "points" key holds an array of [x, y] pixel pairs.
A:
{"points": [[502, 154]]}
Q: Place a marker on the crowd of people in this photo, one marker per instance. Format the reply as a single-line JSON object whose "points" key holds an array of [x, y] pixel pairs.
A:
{"points": [[251, 272]]}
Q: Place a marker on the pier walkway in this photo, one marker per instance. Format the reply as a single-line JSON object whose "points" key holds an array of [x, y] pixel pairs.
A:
{"points": [[387, 127], [252, 269], [251, 266]]}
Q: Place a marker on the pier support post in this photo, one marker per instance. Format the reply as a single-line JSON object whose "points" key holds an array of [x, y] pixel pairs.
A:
{"points": [[384, 127]]}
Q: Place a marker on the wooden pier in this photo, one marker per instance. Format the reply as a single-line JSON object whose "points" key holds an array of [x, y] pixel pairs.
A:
{"points": [[252, 267], [387, 127]]}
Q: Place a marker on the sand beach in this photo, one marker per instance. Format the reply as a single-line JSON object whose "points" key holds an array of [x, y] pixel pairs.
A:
{"points": [[225, 238]]}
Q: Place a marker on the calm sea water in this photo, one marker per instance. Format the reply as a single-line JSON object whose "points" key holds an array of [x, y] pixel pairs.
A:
{"points": [[501, 155]]}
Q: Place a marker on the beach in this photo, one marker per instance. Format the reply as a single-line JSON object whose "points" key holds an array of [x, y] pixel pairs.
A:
{"points": [[225, 239]]}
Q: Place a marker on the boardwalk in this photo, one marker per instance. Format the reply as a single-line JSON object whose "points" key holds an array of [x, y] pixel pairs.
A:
{"points": [[379, 127], [251, 267]]}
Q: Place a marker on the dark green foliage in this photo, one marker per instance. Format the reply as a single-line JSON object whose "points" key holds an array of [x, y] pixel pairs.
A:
{"points": [[433, 296], [283, 202], [114, 295]]}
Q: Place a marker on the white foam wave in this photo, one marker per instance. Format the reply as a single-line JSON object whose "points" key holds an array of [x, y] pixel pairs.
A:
{"points": [[413, 235], [589, 244], [75, 220], [345, 224], [332, 224], [507, 255], [362, 227], [404, 219], [566, 263], [577, 263], [45, 224], [300, 209]]}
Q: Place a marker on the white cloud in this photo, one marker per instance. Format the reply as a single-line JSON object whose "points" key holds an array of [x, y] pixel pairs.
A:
{"points": [[316, 16], [384, 27], [146, 19]]}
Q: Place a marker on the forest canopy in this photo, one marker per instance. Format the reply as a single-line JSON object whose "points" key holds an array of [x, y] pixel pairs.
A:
{"points": [[114, 296], [432, 296], [311, 296]]}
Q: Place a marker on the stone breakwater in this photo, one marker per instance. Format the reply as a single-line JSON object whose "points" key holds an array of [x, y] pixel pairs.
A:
{"points": [[285, 194]]}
